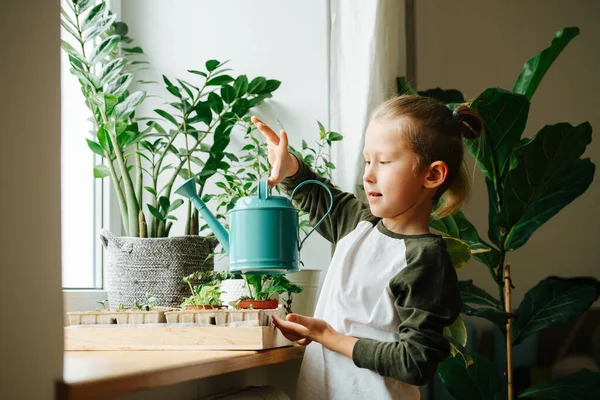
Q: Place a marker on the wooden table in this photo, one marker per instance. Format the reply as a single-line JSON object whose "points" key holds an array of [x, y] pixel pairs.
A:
{"points": [[99, 374]]}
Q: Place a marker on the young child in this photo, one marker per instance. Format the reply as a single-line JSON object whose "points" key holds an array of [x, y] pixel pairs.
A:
{"points": [[391, 288]]}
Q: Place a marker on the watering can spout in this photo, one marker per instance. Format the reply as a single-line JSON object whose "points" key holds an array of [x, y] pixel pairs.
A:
{"points": [[188, 190]]}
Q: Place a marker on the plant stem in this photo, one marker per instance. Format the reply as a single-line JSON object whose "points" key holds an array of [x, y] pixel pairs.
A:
{"points": [[507, 308]]}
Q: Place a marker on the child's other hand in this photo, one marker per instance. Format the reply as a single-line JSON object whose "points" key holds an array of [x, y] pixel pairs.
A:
{"points": [[301, 329], [282, 162]]}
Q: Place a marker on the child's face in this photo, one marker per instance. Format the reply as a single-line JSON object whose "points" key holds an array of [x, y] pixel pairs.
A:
{"points": [[391, 179]]}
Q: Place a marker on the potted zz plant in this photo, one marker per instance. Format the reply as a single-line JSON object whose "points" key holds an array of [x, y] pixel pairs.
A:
{"points": [[186, 138]]}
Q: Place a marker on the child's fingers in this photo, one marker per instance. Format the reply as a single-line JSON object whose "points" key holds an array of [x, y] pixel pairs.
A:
{"points": [[266, 131], [304, 341]]}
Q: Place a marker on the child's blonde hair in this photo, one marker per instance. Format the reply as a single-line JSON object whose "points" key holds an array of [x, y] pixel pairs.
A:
{"points": [[434, 132]]}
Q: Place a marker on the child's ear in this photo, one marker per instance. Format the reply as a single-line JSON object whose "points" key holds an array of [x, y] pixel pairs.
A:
{"points": [[436, 174]]}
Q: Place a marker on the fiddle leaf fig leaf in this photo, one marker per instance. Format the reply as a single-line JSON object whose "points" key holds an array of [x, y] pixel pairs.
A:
{"points": [[504, 115], [582, 385], [551, 301], [546, 175], [536, 67]]}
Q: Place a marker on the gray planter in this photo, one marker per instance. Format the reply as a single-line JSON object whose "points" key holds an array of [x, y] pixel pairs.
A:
{"points": [[136, 266]]}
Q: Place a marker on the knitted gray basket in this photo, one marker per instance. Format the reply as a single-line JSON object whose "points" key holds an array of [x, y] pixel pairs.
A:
{"points": [[136, 266]]}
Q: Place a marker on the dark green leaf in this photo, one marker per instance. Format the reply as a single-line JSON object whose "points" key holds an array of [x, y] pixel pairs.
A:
{"points": [[472, 294], [546, 175], [164, 203], [203, 113], [271, 85], [151, 190], [241, 107], [259, 99], [193, 71], [479, 381], [219, 80], [101, 171], [228, 94], [257, 85], [494, 315], [535, 69], [582, 385], [551, 301], [241, 85], [155, 212], [403, 87], [167, 116], [504, 115], [334, 136], [215, 102], [211, 65], [133, 50], [104, 140], [186, 88]]}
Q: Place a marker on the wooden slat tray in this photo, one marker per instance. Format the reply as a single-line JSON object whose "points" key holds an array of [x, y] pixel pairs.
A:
{"points": [[172, 337]]}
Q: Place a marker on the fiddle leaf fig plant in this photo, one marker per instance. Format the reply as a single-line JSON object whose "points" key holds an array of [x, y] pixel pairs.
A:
{"points": [[185, 138], [528, 182]]}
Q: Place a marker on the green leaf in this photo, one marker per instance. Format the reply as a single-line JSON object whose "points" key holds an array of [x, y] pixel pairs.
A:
{"points": [[211, 65], [459, 252], [259, 99], [457, 331], [203, 113], [220, 142], [151, 190], [459, 227], [155, 213], [70, 29], [95, 147], [186, 88], [241, 107], [228, 94], [104, 140], [101, 171], [133, 50], [167, 116], [334, 137], [257, 85], [547, 175], [93, 16], [219, 80], [193, 71], [270, 86], [403, 87], [535, 68], [215, 102], [120, 85], [104, 48], [73, 53], [111, 70], [553, 300], [494, 315], [124, 109], [582, 385], [101, 27], [241, 85], [85, 78], [505, 115], [469, 293], [478, 381], [175, 205]]}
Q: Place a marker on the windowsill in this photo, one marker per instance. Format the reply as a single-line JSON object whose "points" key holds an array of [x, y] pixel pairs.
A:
{"points": [[99, 374]]}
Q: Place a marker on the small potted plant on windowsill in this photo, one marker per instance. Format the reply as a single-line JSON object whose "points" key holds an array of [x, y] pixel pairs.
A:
{"points": [[203, 298], [263, 289]]}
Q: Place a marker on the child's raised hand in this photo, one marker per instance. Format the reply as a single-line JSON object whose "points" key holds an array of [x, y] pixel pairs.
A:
{"points": [[282, 162]]}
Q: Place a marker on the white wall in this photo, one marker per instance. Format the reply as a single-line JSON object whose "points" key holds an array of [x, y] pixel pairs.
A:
{"points": [[471, 45], [31, 348], [287, 41]]}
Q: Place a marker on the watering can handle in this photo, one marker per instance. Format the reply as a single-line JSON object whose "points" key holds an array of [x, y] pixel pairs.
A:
{"points": [[263, 189], [324, 216]]}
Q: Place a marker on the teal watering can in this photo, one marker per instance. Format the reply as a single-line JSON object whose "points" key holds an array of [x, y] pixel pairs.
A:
{"points": [[264, 231]]}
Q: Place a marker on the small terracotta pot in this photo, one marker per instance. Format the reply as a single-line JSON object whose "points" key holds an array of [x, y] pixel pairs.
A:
{"points": [[258, 304], [203, 307]]}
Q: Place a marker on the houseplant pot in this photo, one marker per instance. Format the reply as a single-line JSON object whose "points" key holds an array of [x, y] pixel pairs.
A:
{"points": [[268, 304], [136, 266]]}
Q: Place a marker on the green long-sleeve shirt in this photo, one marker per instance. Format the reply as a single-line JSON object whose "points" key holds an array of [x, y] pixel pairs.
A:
{"points": [[395, 292]]}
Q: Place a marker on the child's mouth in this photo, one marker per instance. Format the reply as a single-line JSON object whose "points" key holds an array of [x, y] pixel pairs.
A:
{"points": [[374, 195]]}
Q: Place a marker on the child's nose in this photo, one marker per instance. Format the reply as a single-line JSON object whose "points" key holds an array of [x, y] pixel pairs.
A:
{"points": [[369, 176]]}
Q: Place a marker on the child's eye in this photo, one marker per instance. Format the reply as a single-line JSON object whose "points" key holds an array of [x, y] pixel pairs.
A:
{"points": [[384, 162], [367, 162]]}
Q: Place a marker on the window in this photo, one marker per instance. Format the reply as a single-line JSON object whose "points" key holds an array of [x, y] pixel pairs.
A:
{"points": [[81, 194]]}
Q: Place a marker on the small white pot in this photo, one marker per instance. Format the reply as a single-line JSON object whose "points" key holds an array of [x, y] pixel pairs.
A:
{"points": [[234, 289]]}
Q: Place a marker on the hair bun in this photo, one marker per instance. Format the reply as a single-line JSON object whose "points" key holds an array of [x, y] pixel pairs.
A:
{"points": [[471, 124]]}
